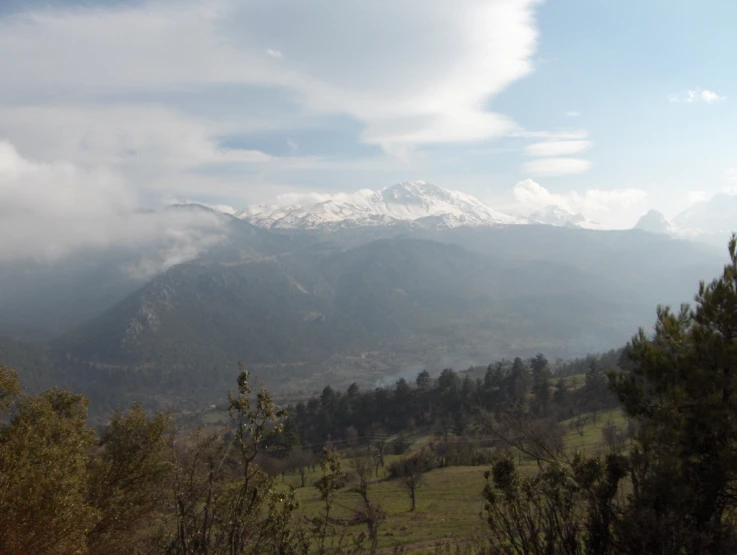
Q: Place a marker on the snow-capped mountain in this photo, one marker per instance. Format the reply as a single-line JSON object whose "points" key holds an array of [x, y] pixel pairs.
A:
{"points": [[716, 215], [655, 222], [711, 221], [418, 203], [555, 215]]}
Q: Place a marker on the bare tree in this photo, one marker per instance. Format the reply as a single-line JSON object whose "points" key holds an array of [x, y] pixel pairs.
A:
{"points": [[370, 513], [579, 424], [614, 437], [539, 439], [379, 445], [300, 460]]}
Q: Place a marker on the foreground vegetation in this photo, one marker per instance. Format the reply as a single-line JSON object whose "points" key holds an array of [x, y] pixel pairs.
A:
{"points": [[517, 462]]}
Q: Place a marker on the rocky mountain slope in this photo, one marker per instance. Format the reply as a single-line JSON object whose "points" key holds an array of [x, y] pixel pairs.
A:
{"points": [[325, 313]]}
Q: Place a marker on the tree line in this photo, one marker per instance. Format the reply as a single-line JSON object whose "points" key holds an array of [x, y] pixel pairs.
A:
{"points": [[448, 404]]}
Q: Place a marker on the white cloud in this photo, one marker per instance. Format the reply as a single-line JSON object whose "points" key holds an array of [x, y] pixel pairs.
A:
{"points": [[415, 72], [274, 53], [557, 148], [223, 208], [556, 166], [730, 174], [616, 208], [696, 95], [710, 96], [572, 114], [569, 135], [141, 135], [697, 196], [48, 210]]}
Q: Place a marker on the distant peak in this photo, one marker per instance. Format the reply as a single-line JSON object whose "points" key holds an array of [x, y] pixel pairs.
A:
{"points": [[407, 202], [558, 216], [415, 188], [654, 222], [417, 185]]}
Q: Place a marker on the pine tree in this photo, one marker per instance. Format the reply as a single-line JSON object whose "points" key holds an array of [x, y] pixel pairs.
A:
{"points": [[682, 389], [540, 378], [517, 384], [424, 381]]}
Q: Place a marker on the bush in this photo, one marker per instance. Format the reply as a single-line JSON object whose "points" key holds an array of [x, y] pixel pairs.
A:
{"points": [[419, 463], [399, 446], [460, 452]]}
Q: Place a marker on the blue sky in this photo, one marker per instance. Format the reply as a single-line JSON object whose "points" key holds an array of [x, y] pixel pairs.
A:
{"points": [[607, 108]]}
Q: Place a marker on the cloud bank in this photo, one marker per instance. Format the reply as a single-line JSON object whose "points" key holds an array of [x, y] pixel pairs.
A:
{"points": [[414, 72], [551, 167], [616, 208], [557, 148], [48, 210]]}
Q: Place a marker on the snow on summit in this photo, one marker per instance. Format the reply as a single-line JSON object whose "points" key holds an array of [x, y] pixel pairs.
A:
{"points": [[557, 216], [417, 202]]}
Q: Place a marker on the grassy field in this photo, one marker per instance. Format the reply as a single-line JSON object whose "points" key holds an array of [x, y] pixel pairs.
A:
{"points": [[448, 506], [590, 441], [449, 500]]}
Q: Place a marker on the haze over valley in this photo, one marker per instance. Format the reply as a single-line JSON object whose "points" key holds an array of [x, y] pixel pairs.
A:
{"points": [[362, 288]]}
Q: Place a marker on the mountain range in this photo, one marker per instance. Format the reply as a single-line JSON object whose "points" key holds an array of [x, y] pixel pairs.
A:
{"points": [[420, 204], [709, 221], [410, 277]]}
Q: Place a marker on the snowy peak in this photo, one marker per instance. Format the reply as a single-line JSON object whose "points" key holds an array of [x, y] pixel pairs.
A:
{"points": [[711, 221], [417, 193], [416, 202], [557, 216], [716, 215]]}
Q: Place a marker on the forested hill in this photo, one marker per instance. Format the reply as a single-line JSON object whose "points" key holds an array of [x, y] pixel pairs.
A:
{"points": [[360, 306], [450, 403]]}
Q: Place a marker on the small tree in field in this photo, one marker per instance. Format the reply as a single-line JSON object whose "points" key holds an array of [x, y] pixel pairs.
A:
{"points": [[301, 460], [410, 472], [328, 486], [371, 513]]}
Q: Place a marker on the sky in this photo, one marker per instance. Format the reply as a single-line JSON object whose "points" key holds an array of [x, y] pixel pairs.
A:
{"points": [[605, 108]]}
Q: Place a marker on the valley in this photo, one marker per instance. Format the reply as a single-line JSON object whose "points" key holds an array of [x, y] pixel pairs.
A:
{"points": [[306, 307]]}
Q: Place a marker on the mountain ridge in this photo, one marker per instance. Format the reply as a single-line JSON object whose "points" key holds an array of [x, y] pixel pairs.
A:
{"points": [[420, 203], [709, 221], [323, 312]]}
